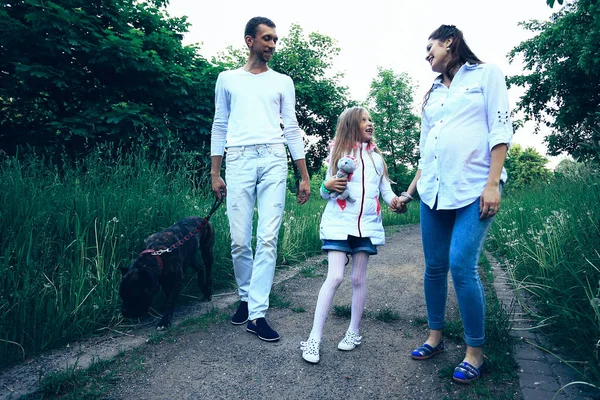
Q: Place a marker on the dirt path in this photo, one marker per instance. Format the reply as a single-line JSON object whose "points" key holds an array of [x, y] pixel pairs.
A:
{"points": [[226, 362]]}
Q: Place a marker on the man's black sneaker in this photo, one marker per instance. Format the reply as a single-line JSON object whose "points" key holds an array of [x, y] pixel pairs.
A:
{"points": [[262, 330], [241, 315]]}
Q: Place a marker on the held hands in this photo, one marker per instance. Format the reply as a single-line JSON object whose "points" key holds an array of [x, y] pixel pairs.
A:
{"points": [[489, 202], [398, 204]]}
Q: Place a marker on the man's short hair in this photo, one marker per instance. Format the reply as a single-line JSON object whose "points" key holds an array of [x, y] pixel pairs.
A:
{"points": [[252, 25]]}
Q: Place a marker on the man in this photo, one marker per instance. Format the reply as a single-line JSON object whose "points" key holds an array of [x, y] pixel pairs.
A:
{"points": [[250, 104]]}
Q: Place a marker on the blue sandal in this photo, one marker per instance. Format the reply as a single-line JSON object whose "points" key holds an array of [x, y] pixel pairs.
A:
{"points": [[426, 351], [466, 373]]}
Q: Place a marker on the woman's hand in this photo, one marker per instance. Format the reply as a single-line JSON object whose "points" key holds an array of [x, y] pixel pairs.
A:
{"points": [[398, 204], [489, 202]]}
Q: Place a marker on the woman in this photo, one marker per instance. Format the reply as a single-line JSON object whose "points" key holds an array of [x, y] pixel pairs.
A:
{"points": [[465, 133]]}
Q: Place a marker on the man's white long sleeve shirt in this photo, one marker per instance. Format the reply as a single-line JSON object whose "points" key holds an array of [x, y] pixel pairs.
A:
{"points": [[250, 108]]}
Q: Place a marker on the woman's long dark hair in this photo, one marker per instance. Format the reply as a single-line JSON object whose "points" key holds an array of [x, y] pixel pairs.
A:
{"points": [[460, 53]]}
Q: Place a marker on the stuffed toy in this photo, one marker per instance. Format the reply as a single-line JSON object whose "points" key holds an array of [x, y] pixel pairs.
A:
{"points": [[346, 166]]}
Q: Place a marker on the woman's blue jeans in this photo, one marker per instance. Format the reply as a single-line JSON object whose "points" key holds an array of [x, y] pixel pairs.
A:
{"points": [[453, 240]]}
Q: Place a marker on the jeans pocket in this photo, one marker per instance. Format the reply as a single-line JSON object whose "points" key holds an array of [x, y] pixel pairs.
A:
{"points": [[232, 156], [279, 153]]}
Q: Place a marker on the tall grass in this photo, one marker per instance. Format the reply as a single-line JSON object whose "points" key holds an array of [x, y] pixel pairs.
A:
{"points": [[66, 232], [550, 237]]}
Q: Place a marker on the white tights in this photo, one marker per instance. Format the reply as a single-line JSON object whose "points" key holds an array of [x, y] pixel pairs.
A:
{"points": [[335, 276]]}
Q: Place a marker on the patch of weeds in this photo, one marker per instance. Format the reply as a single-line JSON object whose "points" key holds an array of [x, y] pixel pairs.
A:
{"points": [[310, 271], [298, 309], [156, 338], [133, 361], [387, 315], [418, 321], [497, 329], [342, 311], [75, 383], [203, 322], [445, 372], [277, 300], [454, 328]]}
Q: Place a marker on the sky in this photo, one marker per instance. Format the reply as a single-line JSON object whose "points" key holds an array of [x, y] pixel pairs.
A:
{"points": [[379, 33]]}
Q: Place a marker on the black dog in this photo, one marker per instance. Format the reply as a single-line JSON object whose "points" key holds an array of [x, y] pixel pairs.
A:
{"points": [[150, 271]]}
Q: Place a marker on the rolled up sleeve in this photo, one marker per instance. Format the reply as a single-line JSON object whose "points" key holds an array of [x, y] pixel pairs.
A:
{"points": [[497, 107]]}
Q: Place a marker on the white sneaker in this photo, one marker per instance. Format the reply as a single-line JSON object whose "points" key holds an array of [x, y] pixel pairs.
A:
{"points": [[350, 341], [310, 350]]}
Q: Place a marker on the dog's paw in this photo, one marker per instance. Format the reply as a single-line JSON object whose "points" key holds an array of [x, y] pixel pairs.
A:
{"points": [[162, 325]]}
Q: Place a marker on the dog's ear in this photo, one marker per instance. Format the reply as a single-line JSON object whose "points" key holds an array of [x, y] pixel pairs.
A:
{"points": [[124, 271]]}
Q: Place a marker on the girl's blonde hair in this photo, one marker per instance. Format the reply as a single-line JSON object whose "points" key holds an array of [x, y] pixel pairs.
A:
{"points": [[347, 135]]}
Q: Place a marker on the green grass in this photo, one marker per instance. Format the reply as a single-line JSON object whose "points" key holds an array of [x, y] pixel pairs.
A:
{"points": [[344, 311], [66, 232], [77, 383], [386, 315], [549, 236], [278, 300], [310, 271]]}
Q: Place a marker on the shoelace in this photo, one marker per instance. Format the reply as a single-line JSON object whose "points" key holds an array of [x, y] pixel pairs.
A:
{"points": [[311, 346], [352, 338]]}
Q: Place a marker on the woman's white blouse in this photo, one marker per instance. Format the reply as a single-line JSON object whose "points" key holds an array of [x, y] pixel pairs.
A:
{"points": [[460, 126]]}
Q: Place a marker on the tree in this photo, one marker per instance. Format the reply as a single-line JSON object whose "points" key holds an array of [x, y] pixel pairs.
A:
{"points": [[80, 72], [320, 98], [397, 127], [525, 167], [576, 171], [563, 88]]}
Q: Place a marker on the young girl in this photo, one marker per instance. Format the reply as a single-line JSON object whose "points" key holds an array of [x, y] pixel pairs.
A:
{"points": [[350, 226]]}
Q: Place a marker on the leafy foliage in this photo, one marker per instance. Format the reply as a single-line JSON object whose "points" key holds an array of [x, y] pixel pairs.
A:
{"points": [[525, 167], [320, 98], [76, 73], [563, 88], [397, 126]]}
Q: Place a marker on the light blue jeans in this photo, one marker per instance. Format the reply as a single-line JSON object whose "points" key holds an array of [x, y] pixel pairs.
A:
{"points": [[453, 240], [255, 175]]}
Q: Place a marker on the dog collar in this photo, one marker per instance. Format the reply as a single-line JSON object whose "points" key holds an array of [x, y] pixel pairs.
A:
{"points": [[157, 255]]}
